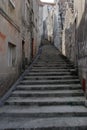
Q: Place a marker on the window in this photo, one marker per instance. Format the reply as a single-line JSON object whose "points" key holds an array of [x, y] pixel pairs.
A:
{"points": [[12, 2], [11, 55]]}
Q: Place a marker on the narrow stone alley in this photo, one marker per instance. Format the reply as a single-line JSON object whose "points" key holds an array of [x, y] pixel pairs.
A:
{"points": [[43, 64], [49, 97]]}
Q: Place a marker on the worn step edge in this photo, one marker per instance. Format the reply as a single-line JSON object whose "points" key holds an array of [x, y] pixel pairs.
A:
{"points": [[60, 110], [50, 77], [47, 74], [31, 82], [47, 94], [61, 123], [33, 88], [44, 103], [44, 115], [51, 70]]}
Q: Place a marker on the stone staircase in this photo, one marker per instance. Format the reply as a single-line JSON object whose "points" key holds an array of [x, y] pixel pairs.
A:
{"points": [[48, 98]]}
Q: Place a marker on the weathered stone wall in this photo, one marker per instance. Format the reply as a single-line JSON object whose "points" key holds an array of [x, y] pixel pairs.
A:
{"points": [[48, 22], [36, 26], [57, 26], [74, 44], [19, 38], [26, 29], [45, 16], [9, 35], [68, 41], [81, 39], [40, 23], [12, 11]]}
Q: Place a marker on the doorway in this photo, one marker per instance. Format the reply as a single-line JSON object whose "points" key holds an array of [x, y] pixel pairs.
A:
{"points": [[23, 54], [32, 48]]}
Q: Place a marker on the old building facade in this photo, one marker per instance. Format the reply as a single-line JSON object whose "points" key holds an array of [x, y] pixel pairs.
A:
{"points": [[81, 38], [48, 21], [57, 26], [25, 24], [36, 40], [41, 22], [19, 38], [74, 35], [10, 42]]}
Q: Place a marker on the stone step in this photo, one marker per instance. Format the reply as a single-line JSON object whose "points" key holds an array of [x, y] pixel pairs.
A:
{"points": [[42, 59], [52, 67], [48, 73], [50, 77], [57, 59], [49, 87], [43, 112], [53, 63], [62, 81], [58, 123], [55, 93], [53, 73], [51, 70], [45, 101]]}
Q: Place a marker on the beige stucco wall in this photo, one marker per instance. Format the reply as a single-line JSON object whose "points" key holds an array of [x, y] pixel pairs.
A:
{"points": [[17, 26], [36, 26], [13, 13], [9, 33]]}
